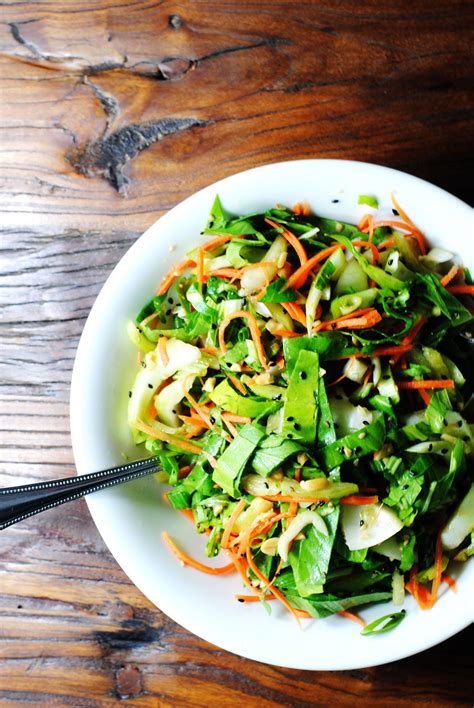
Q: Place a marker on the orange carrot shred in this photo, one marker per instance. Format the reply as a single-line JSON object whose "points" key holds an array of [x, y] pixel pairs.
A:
{"points": [[219, 240], [230, 523], [163, 351], [237, 383], [426, 383], [461, 289], [299, 277], [449, 581], [169, 279], [295, 311], [357, 500], [200, 265], [292, 240], [452, 273], [254, 330], [352, 616], [188, 560]]}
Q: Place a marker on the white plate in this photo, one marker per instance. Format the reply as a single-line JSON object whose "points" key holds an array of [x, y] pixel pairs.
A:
{"points": [[131, 518]]}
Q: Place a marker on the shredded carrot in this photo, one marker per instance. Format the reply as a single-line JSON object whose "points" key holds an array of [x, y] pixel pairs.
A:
{"points": [[295, 311], [297, 209], [209, 350], [195, 430], [416, 231], [268, 585], [219, 240], [306, 208], [427, 383], [299, 277], [425, 396], [373, 248], [200, 265], [163, 351], [230, 524], [352, 616], [234, 418], [365, 321], [237, 383], [292, 240], [254, 330], [388, 243], [184, 471], [291, 498], [452, 273], [336, 381], [230, 273], [380, 351], [169, 279], [449, 581], [230, 427], [188, 560], [357, 500], [157, 434], [241, 565], [200, 410], [254, 598], [149, 319], [286, 333], [438, 570], [188, 514], [461, 289]]}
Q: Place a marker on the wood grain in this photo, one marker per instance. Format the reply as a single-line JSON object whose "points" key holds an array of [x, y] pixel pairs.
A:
{"points": [[112, 112]]}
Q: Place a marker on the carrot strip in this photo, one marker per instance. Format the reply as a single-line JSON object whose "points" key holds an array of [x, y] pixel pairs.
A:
{"points": [[381, 351], [452, 273], [287, 333], [202, 413], [149, 319], [438, 570], [449, 581], [299, 277], [352, 616], [230, 426], [231, 273], [184, 471], [415, 229], [357, 500], [230, 524], [461, 289], [219, 240], [241, 565], [419, 384], [234, 418], [254, 598], [268, 586], [195, 430], [306, 208], [292, 240], [237, 383], [200, 265], [157, 434], [169, 279], [188, 560], [209, 350], [163, 351], [369, 319], [372, 246], [295, 311], [425, 396], [254, 331]]}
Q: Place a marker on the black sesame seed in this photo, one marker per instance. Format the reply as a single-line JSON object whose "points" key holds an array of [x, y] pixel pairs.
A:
{"points": [[357, 450], [412, 473], [430, 447], [170, 300], [335, 201], [303, 375], [212, 419], [239, 599], [466, 438], [390, 262], [459, 423], [168, 313], [150, 385], [276, 397], [210, 224], [365, 422], [444, 451], [395, 212], [289, 436], [361, 522], [404, 486], [129, 394], [290, 418], [386, 377], [297, 426]]}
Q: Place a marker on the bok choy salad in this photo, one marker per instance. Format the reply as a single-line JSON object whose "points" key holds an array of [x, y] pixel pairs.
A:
{"points": [[304, 385]]}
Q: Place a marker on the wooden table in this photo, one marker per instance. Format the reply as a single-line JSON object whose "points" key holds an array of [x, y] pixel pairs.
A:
{"points": [[111, 113]]}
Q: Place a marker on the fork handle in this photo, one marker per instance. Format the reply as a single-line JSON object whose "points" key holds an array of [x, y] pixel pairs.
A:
{"points": [[18, 503]]}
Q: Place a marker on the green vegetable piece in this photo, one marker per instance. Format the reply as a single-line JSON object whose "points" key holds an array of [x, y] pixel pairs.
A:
{"points": [[436, 411], [231, 463], [369, 200], [310, 558], [353, 446], [345, 304], [299, 412], [352, 279], [390, 282], [384, 624], [273, 451], [229, 400], [329, 345]]}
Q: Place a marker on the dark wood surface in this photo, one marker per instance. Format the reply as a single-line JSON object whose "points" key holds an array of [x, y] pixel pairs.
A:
{"points": [[111, 112]]}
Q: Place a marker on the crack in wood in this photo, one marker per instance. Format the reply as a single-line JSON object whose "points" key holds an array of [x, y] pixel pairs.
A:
{"points": [[107, 157]]}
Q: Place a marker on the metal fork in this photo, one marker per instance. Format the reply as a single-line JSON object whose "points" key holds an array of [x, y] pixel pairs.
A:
{"points": [[18, 503]]}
